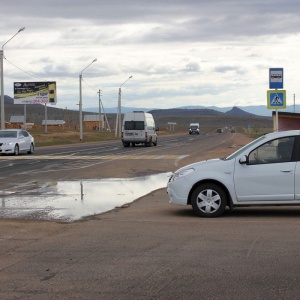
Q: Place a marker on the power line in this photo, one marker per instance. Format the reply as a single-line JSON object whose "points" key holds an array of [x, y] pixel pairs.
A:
{"points": [[24, 71]]}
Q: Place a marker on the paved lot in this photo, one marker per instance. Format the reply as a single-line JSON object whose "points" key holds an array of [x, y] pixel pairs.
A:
{"points": [[153, 250]]}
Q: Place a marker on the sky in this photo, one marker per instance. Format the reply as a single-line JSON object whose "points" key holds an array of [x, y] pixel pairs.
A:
{"points": [[178, 52]]}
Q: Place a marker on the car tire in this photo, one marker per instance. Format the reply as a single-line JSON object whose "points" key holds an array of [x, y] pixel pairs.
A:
{"points": [[209, 200], [155, 143], [126, 144], [16, 150], [30, 151], [149, 144]]}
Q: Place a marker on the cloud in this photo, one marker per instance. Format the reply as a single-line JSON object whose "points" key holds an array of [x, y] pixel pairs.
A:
{"points": [[199, 51]]}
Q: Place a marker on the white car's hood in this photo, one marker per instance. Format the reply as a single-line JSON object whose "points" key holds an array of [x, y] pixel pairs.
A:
{"points": [[204, 164], [8, 140]]}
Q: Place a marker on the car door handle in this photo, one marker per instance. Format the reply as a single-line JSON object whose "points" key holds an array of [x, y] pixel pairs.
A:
{"points": [[286, 171]]}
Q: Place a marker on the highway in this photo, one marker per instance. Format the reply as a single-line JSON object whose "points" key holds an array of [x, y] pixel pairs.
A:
{"points": [[105, 159]]}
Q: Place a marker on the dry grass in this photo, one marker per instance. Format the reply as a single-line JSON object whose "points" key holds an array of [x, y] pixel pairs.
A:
{"points": [[61, 137], [64, 137]]}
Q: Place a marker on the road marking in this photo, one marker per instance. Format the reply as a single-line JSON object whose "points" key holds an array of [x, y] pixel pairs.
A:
{"points": [[91, 157]]}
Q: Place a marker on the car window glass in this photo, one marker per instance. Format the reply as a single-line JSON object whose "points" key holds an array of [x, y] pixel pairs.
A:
{"points": [[276, 151], [241, 150], [8, 134], [134, 125], [25, 133]]}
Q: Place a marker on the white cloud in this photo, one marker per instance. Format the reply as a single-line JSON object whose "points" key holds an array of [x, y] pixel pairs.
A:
{"points": [[179, 52]]}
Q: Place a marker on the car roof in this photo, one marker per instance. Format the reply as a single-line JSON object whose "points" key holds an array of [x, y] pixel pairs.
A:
{"points": [[283, 133]]}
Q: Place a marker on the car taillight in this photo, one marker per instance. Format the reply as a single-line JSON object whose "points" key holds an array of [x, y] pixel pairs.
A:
{"points": [[146, 134]]}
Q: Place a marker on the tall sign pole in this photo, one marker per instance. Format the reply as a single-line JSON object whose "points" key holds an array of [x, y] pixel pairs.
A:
{"points": [[277, 97]]}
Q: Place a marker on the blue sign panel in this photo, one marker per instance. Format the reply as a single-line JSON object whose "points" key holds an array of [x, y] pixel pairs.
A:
{"points": [[276, 99], [276, 78]]}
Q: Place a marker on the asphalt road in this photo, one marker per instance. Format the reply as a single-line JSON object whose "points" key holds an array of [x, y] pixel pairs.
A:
{"points": [[149, 249], [105, 160]]}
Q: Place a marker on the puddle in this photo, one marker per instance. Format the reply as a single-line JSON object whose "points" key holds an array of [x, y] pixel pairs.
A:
{"points": [[68, 201]]}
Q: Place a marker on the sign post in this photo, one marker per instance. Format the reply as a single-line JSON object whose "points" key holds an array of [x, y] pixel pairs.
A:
{"points": [[276, 99]]}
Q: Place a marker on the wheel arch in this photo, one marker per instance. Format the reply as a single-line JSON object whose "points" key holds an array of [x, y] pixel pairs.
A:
{"points": [[220, 184]]}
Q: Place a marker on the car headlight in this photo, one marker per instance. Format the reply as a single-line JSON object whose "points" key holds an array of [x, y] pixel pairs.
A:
{"points": [[182, 173], [8, 144]]}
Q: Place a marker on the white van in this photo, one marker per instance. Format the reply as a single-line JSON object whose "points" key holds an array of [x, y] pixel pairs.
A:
{"points": [[194, 128], [138, 128]]}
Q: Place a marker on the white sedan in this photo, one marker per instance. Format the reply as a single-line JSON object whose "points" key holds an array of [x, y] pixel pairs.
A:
{"points": [[264, 172], [14, 141]]}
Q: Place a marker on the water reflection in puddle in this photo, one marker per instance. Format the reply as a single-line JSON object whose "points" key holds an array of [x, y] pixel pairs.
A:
{"points": [[72, 200]]}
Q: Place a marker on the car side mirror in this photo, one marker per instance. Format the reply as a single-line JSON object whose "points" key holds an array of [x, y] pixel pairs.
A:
{"points": [[157, 129], [244, 160]]}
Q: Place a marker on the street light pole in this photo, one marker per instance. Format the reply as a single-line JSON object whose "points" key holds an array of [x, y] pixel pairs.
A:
{"points": [[99, 109], [80, 101], [119, 117], [2, 80]]}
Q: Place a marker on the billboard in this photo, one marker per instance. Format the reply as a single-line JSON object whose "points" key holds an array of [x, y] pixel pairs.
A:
{"points": [[35, 92]]}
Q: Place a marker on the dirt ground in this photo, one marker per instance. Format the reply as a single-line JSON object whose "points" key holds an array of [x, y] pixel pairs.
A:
{"points": [[150, 249]]}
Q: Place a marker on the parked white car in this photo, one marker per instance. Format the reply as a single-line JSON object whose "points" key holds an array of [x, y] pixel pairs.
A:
{"points": [[264, 172], [14, 141]]}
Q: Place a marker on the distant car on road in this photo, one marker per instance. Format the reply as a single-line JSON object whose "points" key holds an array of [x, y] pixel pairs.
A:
{"points": [[264, 172], [14, 141], [194, 128]]}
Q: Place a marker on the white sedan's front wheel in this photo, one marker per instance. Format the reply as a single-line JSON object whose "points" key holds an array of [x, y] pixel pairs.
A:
{"points": [[209, 200], [16, 150], [31, 149]]}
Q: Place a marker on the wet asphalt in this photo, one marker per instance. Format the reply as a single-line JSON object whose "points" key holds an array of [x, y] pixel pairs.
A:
{"points": [[149, 249]]}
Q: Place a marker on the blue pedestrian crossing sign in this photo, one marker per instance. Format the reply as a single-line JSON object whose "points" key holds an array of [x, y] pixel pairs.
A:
{"points": [[276, 99]]}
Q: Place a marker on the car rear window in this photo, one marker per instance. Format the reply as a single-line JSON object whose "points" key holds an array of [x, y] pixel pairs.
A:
{"points": [[134, 125]]}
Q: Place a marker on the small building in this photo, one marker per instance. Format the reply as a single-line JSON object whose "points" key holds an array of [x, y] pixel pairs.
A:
{"points": [[54, 122], [92, 121], [17, 120], [286, 120]]}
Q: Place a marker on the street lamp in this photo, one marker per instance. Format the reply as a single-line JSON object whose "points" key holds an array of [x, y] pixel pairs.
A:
{"points": [[80, 100], [118, 120], [2, 80]]}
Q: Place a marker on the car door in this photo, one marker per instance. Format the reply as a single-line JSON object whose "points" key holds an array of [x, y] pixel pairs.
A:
{"points": [[297, 181], [23, 140], [269, 174]]}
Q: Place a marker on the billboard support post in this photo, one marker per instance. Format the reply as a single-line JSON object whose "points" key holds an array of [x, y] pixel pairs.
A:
{"points": [[25, 121], [46, 129]]}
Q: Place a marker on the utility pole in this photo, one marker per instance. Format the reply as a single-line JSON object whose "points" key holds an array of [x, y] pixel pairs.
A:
{"points": [[294, 103], [99, 109]]}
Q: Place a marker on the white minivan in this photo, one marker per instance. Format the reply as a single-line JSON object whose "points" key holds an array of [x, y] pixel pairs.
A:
{"points": [[138, 128]]}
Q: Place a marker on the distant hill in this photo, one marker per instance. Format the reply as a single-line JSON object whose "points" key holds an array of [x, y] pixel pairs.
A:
{"points": [[235, 111], [184, 112], [182, 117]]}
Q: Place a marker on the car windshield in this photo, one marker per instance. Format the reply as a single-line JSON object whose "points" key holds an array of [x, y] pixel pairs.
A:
{"points": [[238, 152], [8, 134]]}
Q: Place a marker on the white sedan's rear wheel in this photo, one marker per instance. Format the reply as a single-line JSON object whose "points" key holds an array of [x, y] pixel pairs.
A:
{"points": [[209, 200]]}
